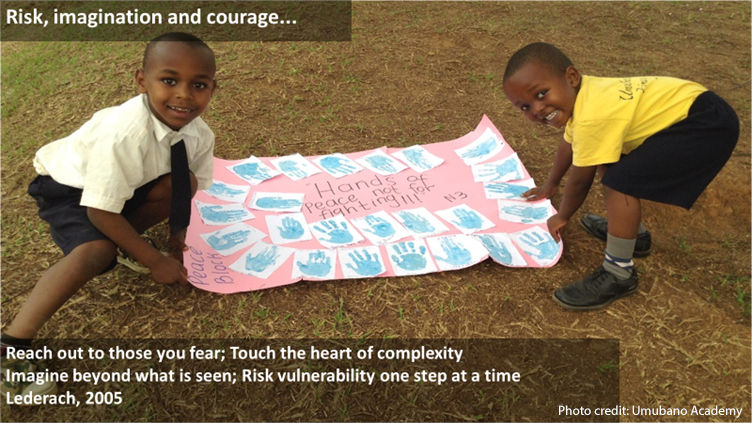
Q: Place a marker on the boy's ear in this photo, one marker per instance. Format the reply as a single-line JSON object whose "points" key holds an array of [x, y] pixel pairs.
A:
{"points": [[141, 81], [573, 77]]}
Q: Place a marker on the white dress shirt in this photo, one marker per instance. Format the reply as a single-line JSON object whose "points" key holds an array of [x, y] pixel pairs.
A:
{"points": [[121, 149]]}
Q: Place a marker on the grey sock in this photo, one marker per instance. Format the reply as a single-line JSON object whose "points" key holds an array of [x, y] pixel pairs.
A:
{"points": [[641, 229], [618, 259]]}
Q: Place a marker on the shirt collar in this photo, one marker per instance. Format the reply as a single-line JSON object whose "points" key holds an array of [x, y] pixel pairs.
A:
{"points": [[577, 105], [162, 131]]}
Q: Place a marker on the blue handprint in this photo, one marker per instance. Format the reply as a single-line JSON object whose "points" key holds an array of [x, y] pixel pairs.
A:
{"points": [[218, 188], [336, 234], [480, 150], [379, 227], [252, 171], [338, 165], [510, 190], [456, 254], [408, 258], [228, 240], [507, 171], [417, 158], [262, 260], [527, 214], [366, 264], [497, 250], [318, 264], [216, 214], [382, 163], [278, 203], [545, 246], [468, 219], [290, 167], [291, 228], [415, 223]]}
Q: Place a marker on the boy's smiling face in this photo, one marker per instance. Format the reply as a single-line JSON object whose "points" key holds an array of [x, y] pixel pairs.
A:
{"points": [[542, 95], [179, 80]]}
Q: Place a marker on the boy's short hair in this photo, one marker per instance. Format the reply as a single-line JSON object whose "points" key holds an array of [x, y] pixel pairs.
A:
{"points": [[182, 37], [542, 53]]}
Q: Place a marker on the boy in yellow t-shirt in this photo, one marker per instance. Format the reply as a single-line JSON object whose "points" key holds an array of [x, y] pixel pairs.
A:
{"points": [[653, 138]]}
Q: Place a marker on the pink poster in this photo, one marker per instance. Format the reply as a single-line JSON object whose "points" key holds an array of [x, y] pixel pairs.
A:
{"points": [[269, 222]]}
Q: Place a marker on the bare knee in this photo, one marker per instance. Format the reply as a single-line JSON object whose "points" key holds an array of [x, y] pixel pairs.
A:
{"points": [[162, 191], [93, 257], [618, 198], [194, 185]]}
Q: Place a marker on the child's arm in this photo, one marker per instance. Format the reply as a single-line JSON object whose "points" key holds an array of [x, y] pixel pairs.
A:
{"points": [[164, 270], [562, 162], [575, 191], [176, 244]]}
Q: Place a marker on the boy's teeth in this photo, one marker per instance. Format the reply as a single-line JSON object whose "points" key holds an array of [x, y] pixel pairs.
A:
{"points": [[551, 116], [180, 109]]}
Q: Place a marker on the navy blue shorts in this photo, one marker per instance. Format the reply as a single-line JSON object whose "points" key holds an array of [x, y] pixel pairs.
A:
{"points": [[60, 206], [675, 165]]}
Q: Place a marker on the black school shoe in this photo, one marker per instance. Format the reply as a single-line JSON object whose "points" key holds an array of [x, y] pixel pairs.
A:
{"points": [[597, 226], [598, 290]]}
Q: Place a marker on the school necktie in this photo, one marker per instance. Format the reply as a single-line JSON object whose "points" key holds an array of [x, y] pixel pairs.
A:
{"points": [[180, 212]]}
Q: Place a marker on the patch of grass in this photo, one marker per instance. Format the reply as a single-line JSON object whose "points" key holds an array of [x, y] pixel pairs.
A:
{"points": [[713, 293], [684, 246], [728, 242], [262, 313], [342, 321], [682, 278], [410, 400], [318, 325], [342, 411], [740, 286], [608, 367], [743, 299], [731, 279], [240, 305], [508, 399]]}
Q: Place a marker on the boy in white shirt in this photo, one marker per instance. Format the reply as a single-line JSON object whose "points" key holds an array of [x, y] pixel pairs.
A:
{"points": [[112, 179]]}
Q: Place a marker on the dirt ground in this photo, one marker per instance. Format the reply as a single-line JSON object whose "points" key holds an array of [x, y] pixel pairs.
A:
{"points": [[415, 73]]}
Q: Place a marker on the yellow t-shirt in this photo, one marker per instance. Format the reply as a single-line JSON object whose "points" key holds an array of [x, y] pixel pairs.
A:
{"points": [[613, 116]]}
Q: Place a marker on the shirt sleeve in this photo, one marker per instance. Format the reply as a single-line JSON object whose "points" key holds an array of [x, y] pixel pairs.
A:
{"points": [[202, 164], [113, 174], [598, 142]]}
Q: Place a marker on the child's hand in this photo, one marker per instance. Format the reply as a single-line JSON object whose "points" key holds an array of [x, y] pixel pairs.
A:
{"points": [[176, 245], [168, 271], [539, 193], [555, 223]]}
